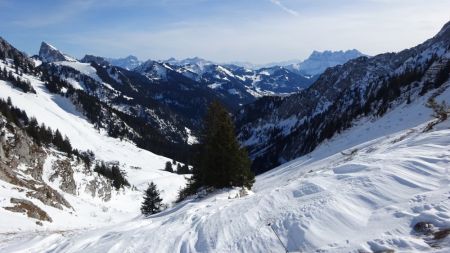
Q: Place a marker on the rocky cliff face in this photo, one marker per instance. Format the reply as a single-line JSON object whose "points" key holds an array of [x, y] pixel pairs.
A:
{"points": [[43, 175]]}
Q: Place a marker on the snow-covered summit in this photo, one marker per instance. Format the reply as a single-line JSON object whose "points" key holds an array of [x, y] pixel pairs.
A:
{"points": [[130, 62], [318, 62], [49, 53], [188, 61]]}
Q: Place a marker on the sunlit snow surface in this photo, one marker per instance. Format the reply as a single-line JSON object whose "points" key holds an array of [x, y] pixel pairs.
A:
{"points": [[363, 190]]}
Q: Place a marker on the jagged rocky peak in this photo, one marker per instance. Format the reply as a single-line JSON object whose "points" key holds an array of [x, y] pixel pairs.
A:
{"points": [[49, 53], [328, 54], [97, 59], [318, 62]]}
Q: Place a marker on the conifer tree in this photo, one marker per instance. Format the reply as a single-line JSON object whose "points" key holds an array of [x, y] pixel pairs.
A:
{"points": [[57, 139], [222, 162], [168, 167], [152, 201]]}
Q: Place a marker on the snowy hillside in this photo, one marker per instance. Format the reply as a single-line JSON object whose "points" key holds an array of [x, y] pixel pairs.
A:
{"points": [[141, 166], [362, 191]]}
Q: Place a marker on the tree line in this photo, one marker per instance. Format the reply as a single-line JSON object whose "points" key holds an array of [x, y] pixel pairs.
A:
{"points": [[16, 81]]}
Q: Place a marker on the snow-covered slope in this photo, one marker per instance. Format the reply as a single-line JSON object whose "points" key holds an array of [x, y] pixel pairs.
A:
{"points": [[140, 165], [59, 113], [362, 191]]}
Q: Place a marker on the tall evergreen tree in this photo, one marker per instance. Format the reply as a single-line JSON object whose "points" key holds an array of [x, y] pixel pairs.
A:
{"points": [[222, 162], [152, 201]]}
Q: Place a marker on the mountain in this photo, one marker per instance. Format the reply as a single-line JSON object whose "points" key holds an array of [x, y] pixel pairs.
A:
{"points": [[381, 185], [54, 159], [318, 62], [94, 59], [240, 84], [247, 82], [277, 130], [130, 62], [48, 53], [125, 104], [194, 61]]}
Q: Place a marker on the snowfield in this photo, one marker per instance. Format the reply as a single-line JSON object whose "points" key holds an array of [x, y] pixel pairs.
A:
{"points": [[362, 191]]}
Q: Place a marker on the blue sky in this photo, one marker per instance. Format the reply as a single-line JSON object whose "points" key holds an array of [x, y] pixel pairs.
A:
{"points": [[257, 31]]}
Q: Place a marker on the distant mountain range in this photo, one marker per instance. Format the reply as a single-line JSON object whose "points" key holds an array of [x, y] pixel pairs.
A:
{"points": [[176, 93], [245, 79], [318, 62]]}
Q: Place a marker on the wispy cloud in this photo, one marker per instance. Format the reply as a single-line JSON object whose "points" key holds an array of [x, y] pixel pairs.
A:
{"points": [[284, 8], [59, 14]]}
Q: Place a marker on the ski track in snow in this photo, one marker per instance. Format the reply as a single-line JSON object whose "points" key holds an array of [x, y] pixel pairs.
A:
{"points": [[362, 190]]}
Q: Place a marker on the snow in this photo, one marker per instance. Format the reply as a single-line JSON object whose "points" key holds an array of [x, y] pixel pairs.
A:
{"points": [[224, 70], [140, 165], [191, 138], [233, 91], [363, 190], [215, 85], [75, 84], [84, 68], [59, 113]]}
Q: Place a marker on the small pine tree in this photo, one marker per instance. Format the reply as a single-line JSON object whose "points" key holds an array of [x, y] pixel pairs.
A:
{"points": [[152, 201], [66, 146], [57, 139], [168, 167]]}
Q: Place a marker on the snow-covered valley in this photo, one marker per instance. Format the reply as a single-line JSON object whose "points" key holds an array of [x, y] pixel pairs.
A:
{"points": [[362, 191], [342, 152]]}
